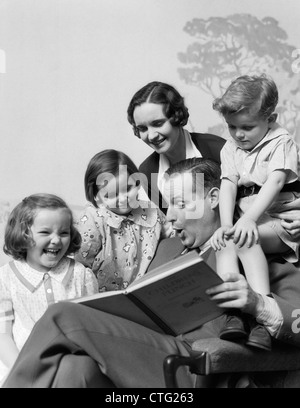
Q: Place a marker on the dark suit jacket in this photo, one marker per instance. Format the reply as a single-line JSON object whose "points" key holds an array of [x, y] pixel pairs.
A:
{"points": [[208, 145], [285, 287]]}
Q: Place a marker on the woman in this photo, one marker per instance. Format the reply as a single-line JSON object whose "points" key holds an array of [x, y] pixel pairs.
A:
{"points": [[158, 115]]}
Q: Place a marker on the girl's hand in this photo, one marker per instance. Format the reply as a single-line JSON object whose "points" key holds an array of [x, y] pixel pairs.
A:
{"points": [[217, 241], [245, 232], [290, 222]]}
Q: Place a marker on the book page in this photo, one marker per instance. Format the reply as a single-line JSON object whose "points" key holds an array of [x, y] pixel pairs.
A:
{"points": [[180, 300], [169, 268]]}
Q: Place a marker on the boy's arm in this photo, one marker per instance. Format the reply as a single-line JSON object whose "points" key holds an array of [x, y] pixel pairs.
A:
{"points": [[228, 191]]}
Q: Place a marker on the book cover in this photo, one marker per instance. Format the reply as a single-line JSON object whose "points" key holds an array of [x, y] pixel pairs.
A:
{"points": [[169, 299]]}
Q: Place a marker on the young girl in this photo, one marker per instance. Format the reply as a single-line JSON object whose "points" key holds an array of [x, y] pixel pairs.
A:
{"points": [[260, 171], [119, 231], [39, 236]]}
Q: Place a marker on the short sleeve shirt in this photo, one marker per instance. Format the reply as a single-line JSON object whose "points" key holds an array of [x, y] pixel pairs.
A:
{"points": [[25, 293], [276, 151]]}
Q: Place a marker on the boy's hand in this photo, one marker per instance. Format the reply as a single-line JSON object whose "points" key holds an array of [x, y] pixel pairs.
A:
{"points": [[217, 241], [245, 232]]}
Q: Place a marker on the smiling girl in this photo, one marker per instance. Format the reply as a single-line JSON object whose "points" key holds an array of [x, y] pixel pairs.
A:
{"points": [[120, 232], [39, 236]]}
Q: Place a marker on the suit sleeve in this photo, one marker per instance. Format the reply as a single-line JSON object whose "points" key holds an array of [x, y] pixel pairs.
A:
{"points": [[285, 286]]}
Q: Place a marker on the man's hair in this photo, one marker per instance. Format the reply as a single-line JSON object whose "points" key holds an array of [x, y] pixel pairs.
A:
{"points": [[18, 237], [208, 167], [162, 94], [255, 94]]}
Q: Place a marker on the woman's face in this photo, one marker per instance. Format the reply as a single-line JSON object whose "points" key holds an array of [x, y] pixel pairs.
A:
{"points": [[155, 128]]}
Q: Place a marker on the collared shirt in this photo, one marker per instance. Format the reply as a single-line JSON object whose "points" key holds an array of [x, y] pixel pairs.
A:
{"points": [[276, 151], [191, 151], [25, 293], [119, 248]]}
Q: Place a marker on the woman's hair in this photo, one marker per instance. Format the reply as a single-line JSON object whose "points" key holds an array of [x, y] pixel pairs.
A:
{"points": [[162, 94], [18, 238], [256, 94], [198, 165], [107, 161]]}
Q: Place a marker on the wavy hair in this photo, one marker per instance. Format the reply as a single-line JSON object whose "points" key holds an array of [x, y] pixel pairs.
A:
{"points": [[162, 94], [257, 94], [18, 238]]}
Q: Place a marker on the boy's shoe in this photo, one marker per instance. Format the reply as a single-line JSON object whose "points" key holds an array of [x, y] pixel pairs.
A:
{"points": [[234, 329], [260, 338]]}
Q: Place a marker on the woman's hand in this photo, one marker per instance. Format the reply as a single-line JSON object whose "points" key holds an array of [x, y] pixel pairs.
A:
{"points": [[291, 222], [235, 293]]}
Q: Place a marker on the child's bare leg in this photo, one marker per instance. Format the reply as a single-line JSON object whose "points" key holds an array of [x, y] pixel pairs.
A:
{"points": [[227, 262], [255, 267], [227, 259], [270, 241]]}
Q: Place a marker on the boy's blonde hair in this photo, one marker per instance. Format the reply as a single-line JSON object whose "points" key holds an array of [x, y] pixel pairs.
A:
{"points": [[255, 94]]}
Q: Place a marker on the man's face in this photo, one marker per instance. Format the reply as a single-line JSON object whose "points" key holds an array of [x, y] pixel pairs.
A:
{"points": [[191, 214]]}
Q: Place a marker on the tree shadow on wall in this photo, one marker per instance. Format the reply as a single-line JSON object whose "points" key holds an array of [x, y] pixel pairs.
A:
{"points": [[225, 48]]}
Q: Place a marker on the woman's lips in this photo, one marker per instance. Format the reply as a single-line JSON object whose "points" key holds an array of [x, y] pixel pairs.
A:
{"points": [[158, 143]]}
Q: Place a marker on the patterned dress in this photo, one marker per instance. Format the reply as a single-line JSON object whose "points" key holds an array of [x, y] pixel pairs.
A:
{"points": [[119, 248]]}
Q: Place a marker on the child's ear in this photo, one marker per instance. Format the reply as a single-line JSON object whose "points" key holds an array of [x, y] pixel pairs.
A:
{"points": [[272, 118]]}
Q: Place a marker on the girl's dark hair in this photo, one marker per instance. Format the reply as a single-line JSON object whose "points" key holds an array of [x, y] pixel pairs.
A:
{"points": [[258, 94], [18, 236], [162, 94], [107, 161]]}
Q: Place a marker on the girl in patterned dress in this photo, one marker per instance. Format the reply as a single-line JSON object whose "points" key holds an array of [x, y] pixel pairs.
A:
{"points": [[120, 232], [39, 236], [260, 174]]}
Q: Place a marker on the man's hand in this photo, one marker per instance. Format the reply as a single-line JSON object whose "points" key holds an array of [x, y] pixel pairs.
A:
{"points": [[291, 222], [235, 293]]}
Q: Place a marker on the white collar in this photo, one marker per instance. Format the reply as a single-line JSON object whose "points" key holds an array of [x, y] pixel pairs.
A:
{"points": [[191, 151]]}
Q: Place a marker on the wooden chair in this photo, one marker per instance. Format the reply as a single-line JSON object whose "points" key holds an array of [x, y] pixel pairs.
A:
{"points": [[212, 358]]}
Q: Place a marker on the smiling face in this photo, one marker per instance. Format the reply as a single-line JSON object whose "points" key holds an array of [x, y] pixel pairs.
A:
{"points": [[247, 129], [156, 130], [51, 233], [118, 193], [194, 223]]}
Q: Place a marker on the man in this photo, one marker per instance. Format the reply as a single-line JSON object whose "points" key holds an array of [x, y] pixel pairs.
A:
{"points": [[75, 346]]}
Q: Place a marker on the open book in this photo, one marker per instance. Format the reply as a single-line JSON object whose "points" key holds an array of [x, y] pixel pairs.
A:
{"points": [[170, 299]]}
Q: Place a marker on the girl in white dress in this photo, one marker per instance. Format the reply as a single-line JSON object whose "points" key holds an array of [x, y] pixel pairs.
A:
{"points": [[39, 236]]}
